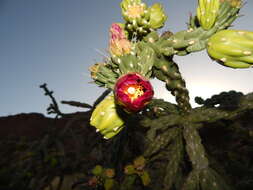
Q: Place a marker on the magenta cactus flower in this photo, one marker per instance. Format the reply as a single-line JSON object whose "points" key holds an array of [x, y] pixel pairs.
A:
{"points": [[133, 92]]}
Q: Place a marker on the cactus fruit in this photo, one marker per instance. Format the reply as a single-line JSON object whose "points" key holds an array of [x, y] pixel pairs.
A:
{"points": [[232, 48], [140, 19], [106, 119], [133, 92], [207, 12], [119, 44]]}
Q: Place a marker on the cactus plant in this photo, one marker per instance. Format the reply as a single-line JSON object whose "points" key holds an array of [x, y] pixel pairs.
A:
{"points": [[151, 56], [151, 143]]}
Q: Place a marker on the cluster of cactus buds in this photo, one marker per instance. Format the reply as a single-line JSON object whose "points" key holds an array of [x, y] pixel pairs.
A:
{"points": [[105, 118], [207, 12], [103, 177], [119, 44], [232, 48], [138, 168], [141, 19], [133, 92]]}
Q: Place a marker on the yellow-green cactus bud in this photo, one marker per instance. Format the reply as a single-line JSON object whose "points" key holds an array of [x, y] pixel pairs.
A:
{"points": [[145, 178], [94, 69], [232, 48], [140, 20], [97, 170], [132, 9], [236, 3], [233, 3], [207, 12], [106, 119], [110, 173], [139, 163], [129, 170], [157, 16]]}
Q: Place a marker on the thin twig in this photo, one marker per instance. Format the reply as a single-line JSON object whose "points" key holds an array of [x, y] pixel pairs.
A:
{"points": [[53, 107], [76, 104]]}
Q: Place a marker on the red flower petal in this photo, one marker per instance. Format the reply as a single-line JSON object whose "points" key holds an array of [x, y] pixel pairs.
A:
{"points": [[133, 92]]}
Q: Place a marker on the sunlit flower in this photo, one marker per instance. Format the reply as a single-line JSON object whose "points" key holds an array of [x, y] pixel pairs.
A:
{"points": [[133, 92]]}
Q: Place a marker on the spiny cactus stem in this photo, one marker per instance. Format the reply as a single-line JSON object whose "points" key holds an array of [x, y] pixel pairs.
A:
{"points": [[177, 85], [194, 147]]}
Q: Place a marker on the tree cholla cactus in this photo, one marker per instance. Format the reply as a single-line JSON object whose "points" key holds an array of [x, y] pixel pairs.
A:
{"points": [[138, 54]]}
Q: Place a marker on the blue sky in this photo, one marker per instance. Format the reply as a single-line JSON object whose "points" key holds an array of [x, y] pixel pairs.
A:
{"points": [[55, 41]]}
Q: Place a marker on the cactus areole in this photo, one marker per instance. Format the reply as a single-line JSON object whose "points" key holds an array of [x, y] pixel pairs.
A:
{"points": [[133, 92]]}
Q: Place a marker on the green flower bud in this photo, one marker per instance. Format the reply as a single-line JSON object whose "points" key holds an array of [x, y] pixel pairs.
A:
{"points": [[109, 172], [157, 16], [141, 20], [139, 163], [97, 170], [106, 119], [236, 3], [233, 3], [132, 9], [145, 178], [232, 48], [207, 12], [129, 170]]}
